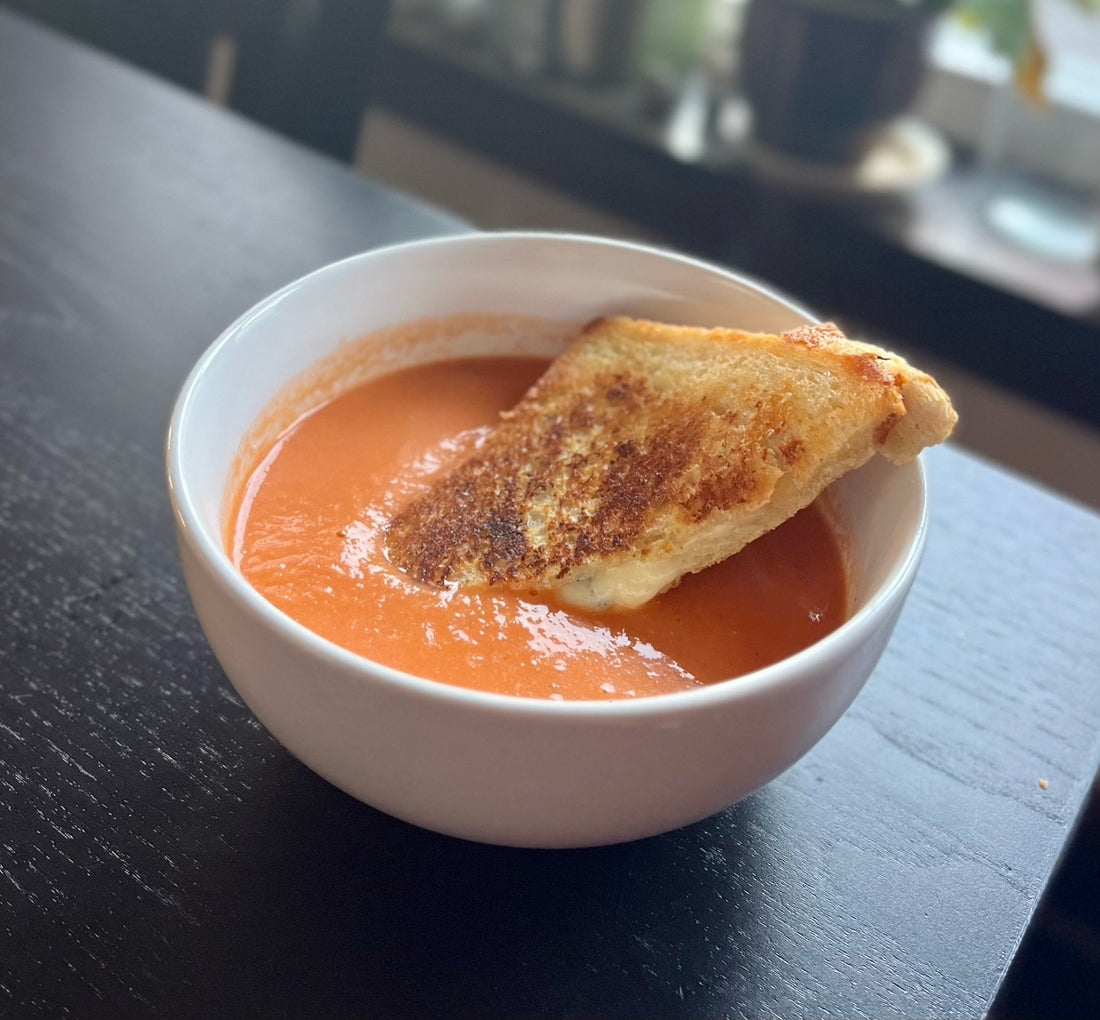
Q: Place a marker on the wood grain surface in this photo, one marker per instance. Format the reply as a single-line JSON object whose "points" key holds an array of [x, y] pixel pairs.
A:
{"points": [[161, 855]]}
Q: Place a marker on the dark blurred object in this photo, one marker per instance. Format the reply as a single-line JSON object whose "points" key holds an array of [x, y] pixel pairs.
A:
{"points": [[304, 67], [301, 67], [825, 77], [595, 38], [524, 34], [590, 42]]}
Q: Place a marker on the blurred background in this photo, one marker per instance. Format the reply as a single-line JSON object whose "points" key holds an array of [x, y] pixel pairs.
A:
{"points": [[925, 172]]}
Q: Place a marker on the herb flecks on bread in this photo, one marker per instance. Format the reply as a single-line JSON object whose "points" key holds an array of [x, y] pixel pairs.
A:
{"points": [[648, 451]]}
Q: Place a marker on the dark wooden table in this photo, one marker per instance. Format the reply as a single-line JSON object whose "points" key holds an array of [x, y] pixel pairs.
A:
{"points": [[160, 855]]}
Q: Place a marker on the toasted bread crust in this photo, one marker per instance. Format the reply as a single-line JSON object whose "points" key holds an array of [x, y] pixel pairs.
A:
{"points": [[647, 451]]}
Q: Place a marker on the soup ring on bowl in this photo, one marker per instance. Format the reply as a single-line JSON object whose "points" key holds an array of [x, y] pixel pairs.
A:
{"points": [[494, 767]]}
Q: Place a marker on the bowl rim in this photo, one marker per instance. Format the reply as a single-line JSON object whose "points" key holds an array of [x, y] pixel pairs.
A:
{"points": [[191, 529]]}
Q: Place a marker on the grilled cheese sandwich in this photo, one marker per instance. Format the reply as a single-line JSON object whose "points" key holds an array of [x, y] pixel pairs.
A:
{"points": [[649, 451]]}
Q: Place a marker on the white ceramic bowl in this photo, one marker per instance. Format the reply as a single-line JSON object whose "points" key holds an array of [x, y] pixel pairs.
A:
{"points": [[491, 767]]}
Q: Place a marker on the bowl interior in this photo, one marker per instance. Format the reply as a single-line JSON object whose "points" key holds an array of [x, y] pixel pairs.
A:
{"points": [[878, 515], [877, 510]]}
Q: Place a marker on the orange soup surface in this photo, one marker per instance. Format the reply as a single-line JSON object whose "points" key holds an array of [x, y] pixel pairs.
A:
{"points": [[308, 532]]}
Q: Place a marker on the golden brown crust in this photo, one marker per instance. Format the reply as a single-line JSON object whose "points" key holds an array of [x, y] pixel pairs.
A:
{"points": [[647, 445]]}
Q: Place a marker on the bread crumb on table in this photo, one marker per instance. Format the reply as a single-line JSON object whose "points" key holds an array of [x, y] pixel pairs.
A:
{"points": [[1043, 784]]}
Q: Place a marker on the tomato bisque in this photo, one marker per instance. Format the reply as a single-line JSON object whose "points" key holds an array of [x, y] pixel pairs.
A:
{"points": [[307, 530]]}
